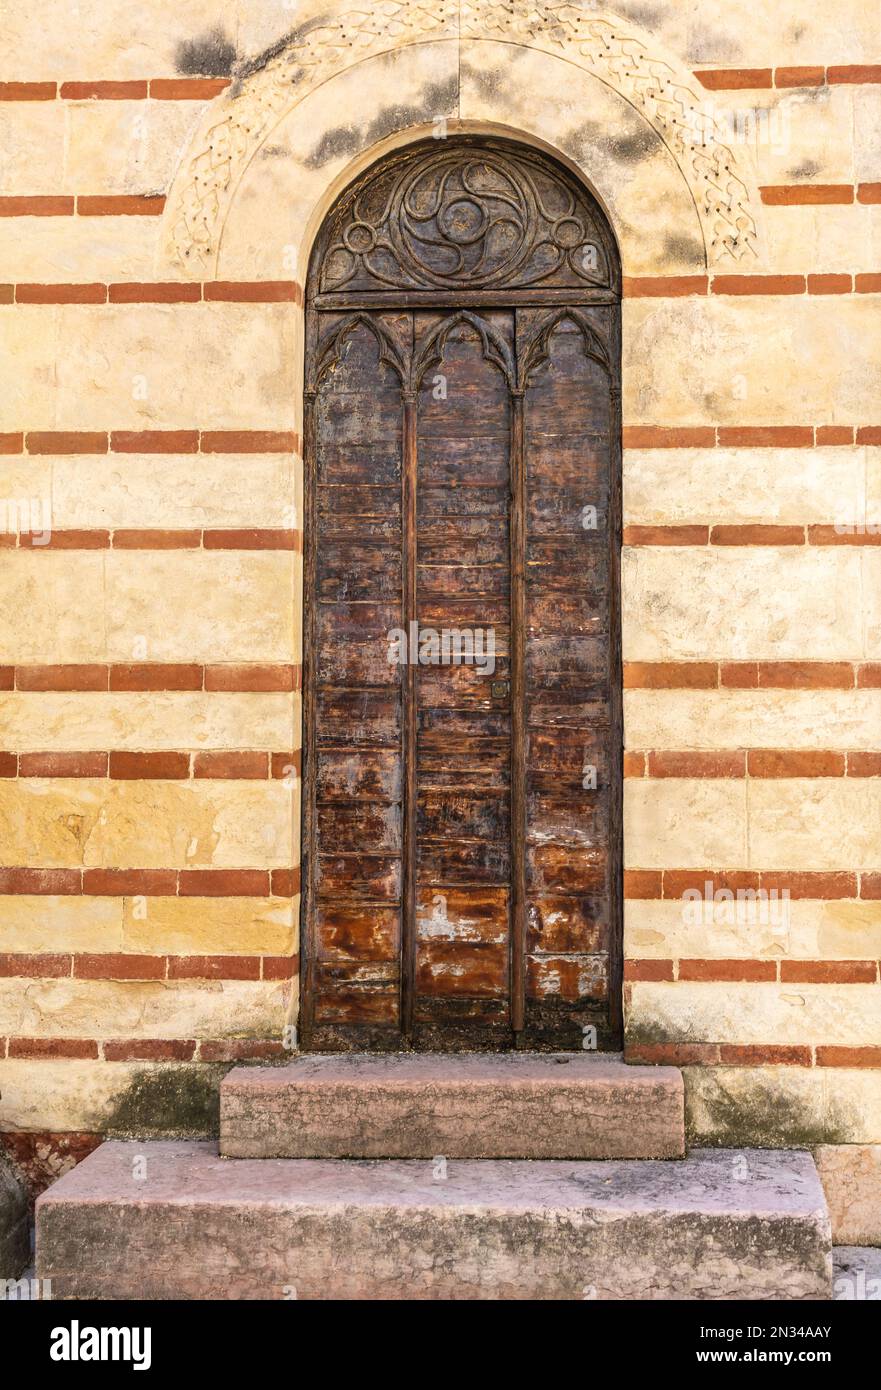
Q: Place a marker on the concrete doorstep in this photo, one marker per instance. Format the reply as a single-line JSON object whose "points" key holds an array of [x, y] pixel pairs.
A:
{"points": [[170, 1220]]}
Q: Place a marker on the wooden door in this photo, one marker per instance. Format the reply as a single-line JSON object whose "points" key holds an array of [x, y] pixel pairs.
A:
{"points": [[462, 750]]}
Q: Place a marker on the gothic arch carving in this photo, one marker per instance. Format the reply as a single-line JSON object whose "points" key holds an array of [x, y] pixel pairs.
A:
{"points": [[494, 347], [331, 350], [537, 351], [621, 56]]}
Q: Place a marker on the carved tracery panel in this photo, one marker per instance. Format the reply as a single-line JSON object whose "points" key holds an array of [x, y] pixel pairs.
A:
{"points": [[465, 215]]}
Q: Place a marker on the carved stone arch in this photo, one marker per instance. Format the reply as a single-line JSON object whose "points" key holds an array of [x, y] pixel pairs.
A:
{"points": [[627, 92]]}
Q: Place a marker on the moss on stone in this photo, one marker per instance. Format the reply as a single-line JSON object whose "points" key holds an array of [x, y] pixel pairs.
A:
{"points": [[758, 1114], [166, 1102]]}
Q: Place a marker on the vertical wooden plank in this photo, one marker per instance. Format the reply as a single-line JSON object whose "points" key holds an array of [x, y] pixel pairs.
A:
{"points": [[409, 718], [518, 713]]}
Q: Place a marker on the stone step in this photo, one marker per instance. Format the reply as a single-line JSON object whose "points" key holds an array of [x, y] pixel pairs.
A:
{"points": [[169, 1219], [508, 1105]]}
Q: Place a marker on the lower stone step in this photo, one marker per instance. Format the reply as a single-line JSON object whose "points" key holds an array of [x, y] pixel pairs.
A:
{"points": [[168, 1220], [509, 1105]]}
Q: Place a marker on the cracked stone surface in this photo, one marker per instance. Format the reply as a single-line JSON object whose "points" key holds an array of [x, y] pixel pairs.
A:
{"points": [[507, 1105], [167, 1220]]}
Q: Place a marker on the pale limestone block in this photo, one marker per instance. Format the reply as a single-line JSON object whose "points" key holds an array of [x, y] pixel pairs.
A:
{"points": [[828, 823], [732, 1012], [787, 32], [802, 135], [68, 1008], [873, 215], [621, 158], [239, 606], [873, 487], [742, 603], [53, 606], [210, 926], [170, 366], [55, 1096], [686, 823], [669, 486], [106, 41], [782, 1106], [47, 250], [158, 926], [28, 352], [66, 822], [802, 929], [32, 135], [43, 925], [872, 602], [711, 719], [93, 721], [26, 502], [125, 146], [173, 490], [851, 1178], [820, 238], [867, 134], [320, 145], [750, 360], [125, 606]]}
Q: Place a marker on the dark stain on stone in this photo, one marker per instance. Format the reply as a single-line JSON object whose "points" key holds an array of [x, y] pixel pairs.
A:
{"points": [[345, 141], [806, 170], [489, 81], [210, 55], [643, 1032], [639, 144], [177, 1102], [275, 50], [764, 1117], [707, 46], [581, 136], [486, 80], [631, 146], [683, 248], [647, 16]]}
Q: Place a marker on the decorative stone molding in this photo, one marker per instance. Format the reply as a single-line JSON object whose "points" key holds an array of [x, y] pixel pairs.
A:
{"points": [[619, 54]]}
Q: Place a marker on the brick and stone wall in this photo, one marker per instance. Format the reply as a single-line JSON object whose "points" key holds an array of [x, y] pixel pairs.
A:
{"points": [[163, 175]]}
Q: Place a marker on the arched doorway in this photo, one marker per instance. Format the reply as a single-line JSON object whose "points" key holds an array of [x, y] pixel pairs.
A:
{"points": [[462, 748]]}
